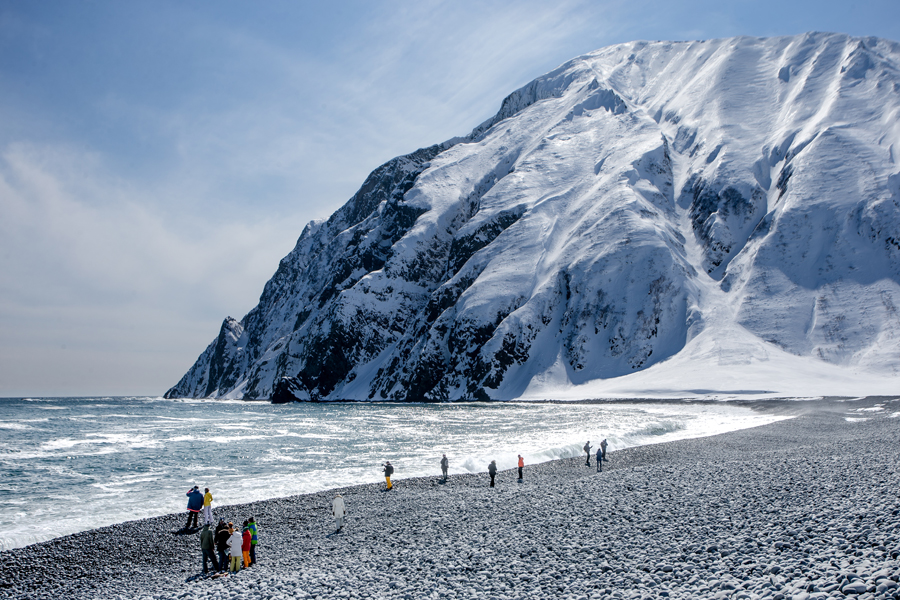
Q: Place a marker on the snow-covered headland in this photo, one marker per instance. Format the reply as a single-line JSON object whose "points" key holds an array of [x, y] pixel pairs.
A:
{"points": [[802, 508], [653, 219]]}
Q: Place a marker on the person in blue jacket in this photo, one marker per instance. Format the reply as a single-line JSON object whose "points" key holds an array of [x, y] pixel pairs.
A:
{"points": [[195, 505]]}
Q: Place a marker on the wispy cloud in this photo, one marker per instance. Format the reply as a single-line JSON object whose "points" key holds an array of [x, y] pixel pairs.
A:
{"points": [[156, 163], [91, 269]]}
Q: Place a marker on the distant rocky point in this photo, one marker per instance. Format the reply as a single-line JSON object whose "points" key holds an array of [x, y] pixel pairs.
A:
{"points": [[722, 203]]}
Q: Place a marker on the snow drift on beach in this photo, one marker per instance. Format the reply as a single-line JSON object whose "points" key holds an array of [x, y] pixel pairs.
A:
{"points": [[656, 219]]}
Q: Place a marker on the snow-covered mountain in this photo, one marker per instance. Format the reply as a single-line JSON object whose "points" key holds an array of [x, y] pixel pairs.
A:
{"points": [[669, 214]]}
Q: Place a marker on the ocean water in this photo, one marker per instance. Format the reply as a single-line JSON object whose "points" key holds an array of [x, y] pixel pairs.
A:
{"points": [[72, 464]]}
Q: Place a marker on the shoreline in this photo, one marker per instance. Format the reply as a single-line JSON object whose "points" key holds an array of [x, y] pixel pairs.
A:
{"points": [[532, 523], [44, 521]]}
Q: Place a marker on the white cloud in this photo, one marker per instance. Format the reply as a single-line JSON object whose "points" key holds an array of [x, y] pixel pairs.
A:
{"points": [[143, 199], [89, 269]]}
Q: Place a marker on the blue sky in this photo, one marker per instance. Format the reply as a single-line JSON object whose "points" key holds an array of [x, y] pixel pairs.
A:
{"points": [[158, 159]]}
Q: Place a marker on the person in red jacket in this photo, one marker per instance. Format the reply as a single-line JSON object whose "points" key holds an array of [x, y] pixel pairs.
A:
{"points": [[521, 466], [246, 537]]}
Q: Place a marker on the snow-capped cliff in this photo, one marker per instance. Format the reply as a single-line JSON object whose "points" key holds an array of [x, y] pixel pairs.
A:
{"points": [[720, 203]]}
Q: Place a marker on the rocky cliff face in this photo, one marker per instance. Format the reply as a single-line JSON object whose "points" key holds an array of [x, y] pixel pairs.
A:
{"points": [[612, 210]]}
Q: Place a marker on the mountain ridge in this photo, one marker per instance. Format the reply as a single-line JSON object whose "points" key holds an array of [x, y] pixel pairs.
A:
{"points": [[613, 210]]}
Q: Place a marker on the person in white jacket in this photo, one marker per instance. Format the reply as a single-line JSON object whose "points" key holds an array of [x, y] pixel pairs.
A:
{"points": [[338, 510], [234, 548]]}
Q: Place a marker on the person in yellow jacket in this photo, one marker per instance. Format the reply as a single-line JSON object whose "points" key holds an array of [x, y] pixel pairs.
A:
{"points": [[388, 471], [207, 508]]}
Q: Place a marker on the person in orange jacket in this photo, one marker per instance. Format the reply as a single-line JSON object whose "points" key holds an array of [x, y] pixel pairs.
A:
{"points": [[521, 466], [245, 543]]}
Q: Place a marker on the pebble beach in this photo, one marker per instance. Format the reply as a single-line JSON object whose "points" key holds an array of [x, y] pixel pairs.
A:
{"points": [[804, 508]]}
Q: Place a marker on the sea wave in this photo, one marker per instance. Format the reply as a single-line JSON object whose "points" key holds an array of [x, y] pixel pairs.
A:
{"points": [[107, 466], [659, 428], [14, 425]]}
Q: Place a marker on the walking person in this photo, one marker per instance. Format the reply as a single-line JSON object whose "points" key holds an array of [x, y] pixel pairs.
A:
{"points": [[521, 466], [207, 508], [388, 471], [338, 510], [445, 464], [246, 537], [600, 460], [603, 447], [221, 537], [587, 450], [254, 539], [234, 548], [492, 469], [195, 504], [207, 546]]}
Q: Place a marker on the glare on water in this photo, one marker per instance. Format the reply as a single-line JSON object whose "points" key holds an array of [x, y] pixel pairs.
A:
{"points": [[71, 464]]}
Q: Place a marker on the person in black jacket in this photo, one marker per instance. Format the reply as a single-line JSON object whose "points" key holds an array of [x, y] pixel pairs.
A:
{"points": [[492, 469], [388, 471], [221, 538], [445, 464]]}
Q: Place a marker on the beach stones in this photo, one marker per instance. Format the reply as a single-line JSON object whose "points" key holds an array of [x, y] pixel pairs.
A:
{"points": [[690, 519], [855, 587]]}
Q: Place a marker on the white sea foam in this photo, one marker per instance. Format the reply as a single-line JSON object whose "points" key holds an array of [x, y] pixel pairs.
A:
{"points": [[100, 468], [14, 425]]}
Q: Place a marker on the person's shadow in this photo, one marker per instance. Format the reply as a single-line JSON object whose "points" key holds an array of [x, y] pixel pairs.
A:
{"points": [[186, 530]]}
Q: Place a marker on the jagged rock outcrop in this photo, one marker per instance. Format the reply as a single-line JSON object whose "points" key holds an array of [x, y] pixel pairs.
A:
{"points": [[612, 210]]}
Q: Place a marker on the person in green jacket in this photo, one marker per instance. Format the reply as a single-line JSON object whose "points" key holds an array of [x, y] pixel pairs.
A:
{"points": [[208, 547], [253, 539]]}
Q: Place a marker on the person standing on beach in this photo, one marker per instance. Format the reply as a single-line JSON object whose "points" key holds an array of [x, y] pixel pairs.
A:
{"points": [[234, 548], [388, 471], [603, 447], [600, 459], [254, 539], [445, 464], [338, 510], [208, 548], [246, 537], [521, 466], [492, 470], [195, 503], [221, 537], [207, 508], [587, 450]]}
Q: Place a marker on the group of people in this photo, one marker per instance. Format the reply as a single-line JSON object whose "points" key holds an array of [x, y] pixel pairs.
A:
{"points": [[388, 468], [236, 546], [601, 454], [198, 502]]}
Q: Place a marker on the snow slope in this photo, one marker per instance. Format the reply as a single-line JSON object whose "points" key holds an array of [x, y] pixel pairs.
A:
{"points": [[648, 219]]}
